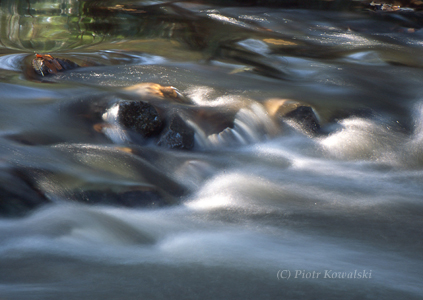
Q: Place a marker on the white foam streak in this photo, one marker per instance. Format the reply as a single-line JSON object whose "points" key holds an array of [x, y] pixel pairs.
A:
{"points": [[256, 46], [12, 62], [414, 154], [252, 123], [229, 20], [362, 139]]}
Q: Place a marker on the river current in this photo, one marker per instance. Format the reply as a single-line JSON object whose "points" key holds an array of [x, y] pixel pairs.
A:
{"points": [[291, 215]]}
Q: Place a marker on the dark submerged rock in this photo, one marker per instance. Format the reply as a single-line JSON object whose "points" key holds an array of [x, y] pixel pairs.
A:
{"points": [[131, 198], [177, 134], [306, 118], [140, 117], [289, 110], [18, 196], [212, 119]]}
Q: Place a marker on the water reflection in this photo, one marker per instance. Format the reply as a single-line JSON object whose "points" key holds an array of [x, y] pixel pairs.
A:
{"points": [[53, 25], [43, 25]]}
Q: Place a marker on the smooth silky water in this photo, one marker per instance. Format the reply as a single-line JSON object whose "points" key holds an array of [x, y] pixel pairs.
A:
{"points": [[346, 203]]}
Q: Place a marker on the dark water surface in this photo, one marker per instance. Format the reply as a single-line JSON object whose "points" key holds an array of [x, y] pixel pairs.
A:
{"points": [[262, 210]]}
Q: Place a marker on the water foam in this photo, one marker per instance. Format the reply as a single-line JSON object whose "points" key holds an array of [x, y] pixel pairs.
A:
{"points": [[12, 62], [362, 139]]}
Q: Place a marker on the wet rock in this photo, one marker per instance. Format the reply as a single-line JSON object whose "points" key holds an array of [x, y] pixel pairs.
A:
{"points": [[212, 120], [46, 64], [17, 196], [101, 164], [130, 121], [111, 176], [154, 91], [140, 117], [305, 117], [145, 198], [177, 134], [288, 110]]}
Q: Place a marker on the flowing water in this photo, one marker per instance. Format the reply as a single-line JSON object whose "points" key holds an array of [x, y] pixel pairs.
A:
{"points": [[255, 215]]}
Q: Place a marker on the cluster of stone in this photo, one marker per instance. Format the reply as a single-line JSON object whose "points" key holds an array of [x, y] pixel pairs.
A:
{"points": [[145, 114], [153, 112], [162, 114]]}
